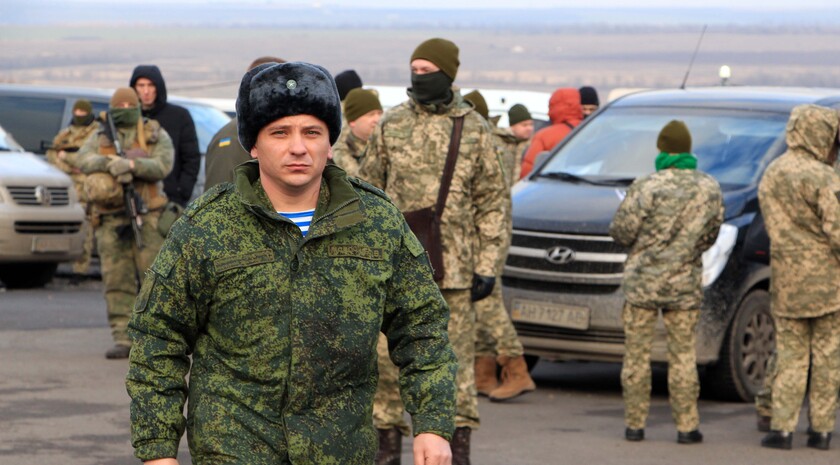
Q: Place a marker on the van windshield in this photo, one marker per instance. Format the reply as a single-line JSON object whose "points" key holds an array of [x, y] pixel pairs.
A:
{"points": [[619, 145]]}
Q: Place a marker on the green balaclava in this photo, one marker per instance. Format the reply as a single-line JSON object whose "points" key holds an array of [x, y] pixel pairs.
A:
{"points": [[674, 143], [85, 106], [434, 88], [479, 103], [125, 117]]}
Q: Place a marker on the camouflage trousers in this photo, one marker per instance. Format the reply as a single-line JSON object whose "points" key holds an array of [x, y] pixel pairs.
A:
{"points": [[388, 407], [82, 265], [802, 343], [123, 266], [764, 396], [495, 334], [683, 382]]}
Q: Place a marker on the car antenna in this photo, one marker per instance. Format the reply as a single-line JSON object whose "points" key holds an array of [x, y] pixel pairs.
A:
{"points": [[691, 63]]}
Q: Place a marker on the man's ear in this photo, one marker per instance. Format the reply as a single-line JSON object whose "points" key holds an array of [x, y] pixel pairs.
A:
{"points": [[254, 152], [329, 154]]}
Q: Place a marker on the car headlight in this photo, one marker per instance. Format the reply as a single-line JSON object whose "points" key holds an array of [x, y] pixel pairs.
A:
{"points": [[715, 259]]}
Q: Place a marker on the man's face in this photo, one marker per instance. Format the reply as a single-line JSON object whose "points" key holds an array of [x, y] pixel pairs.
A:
{"points": [[589, 109], [363, 126], [523, 129], [293, 151], [146, 91], [80, 113], [421, 66]]}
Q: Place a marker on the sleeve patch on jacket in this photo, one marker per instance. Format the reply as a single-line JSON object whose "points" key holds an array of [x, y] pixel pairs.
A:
{"points": [[244, 260]]}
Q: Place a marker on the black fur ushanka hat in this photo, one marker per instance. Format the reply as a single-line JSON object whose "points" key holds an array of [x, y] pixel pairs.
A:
{"points": [[275, 90]]}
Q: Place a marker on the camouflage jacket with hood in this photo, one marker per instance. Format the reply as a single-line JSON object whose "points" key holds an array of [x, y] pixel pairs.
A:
{"points": [[668, 219], [283, 329], [405, 157], [800, 200]]}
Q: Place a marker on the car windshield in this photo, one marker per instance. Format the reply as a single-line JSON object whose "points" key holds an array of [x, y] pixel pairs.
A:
{"points": [[619, 145], [208, 120]]}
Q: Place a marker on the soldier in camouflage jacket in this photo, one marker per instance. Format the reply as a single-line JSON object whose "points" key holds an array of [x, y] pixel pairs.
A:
{"points": [[406, 157], [668, 219], [282, 325], [800, 199]]}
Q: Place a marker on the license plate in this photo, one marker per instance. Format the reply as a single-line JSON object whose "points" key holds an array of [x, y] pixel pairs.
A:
{"points": [[549, 313], [50, 244]]}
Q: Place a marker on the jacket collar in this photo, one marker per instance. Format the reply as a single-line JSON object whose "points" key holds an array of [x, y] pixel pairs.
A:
{"points": [[339, 205]]}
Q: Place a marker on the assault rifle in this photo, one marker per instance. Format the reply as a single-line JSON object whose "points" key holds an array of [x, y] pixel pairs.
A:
{"points": [[134, 206]]}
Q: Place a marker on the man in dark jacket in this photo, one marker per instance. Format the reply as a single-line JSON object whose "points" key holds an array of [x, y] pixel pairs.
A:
{"points": [[148, 82]]}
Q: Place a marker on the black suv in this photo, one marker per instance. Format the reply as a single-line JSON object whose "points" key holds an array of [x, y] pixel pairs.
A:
{"points": [[563, 273]]}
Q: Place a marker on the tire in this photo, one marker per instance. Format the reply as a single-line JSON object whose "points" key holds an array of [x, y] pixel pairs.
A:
{"points": [[750, 341], [27, 275]]}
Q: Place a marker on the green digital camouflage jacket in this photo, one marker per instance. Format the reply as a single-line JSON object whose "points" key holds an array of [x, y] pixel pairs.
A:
{"points": [[283, 329], [800, 200], [668, 219], [348, 151], [405, 157]]}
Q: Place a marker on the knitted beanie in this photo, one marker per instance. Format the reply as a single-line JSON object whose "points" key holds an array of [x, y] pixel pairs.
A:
{"points": [[443, 53], [83, 105], [124, 95], [478, 102], [346, 81], [518, 113], [275, 90], [674, 138], [588, 96], [360, 102]]}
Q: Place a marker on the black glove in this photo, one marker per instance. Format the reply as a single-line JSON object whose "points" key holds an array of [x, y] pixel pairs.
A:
{"points": [[482, 287]]}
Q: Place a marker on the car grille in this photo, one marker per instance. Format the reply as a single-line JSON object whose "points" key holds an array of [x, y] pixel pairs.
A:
{"points": [[581, 259], [547, 332], [40, 195], [44, 227]]}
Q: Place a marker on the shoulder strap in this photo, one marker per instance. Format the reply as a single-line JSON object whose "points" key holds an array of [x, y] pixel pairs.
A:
{"points": [[449, 168]]}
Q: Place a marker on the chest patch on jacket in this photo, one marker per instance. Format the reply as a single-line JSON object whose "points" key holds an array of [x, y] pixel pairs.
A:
{"points": [[241, 261], [354, 250]]}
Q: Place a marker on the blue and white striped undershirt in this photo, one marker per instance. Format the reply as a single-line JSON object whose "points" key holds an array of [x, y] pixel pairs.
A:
{"points": [[301, 219]]}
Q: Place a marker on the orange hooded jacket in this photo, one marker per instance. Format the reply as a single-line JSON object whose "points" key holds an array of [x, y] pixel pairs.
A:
{"points": [[565, 112]]}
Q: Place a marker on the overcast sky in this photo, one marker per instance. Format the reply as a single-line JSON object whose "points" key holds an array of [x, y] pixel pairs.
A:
{"points": [[730, 4]]}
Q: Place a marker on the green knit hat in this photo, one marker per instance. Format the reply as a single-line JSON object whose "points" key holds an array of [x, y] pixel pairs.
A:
{"points": [[518, 113], [359, 102], [443, 53], [83, 105], [674, 138], [479, 103]]}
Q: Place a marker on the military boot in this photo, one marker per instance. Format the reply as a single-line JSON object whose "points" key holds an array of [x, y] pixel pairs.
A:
{"points": [[485, 375], [461, 446], [390, 447], [515, 379]]}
